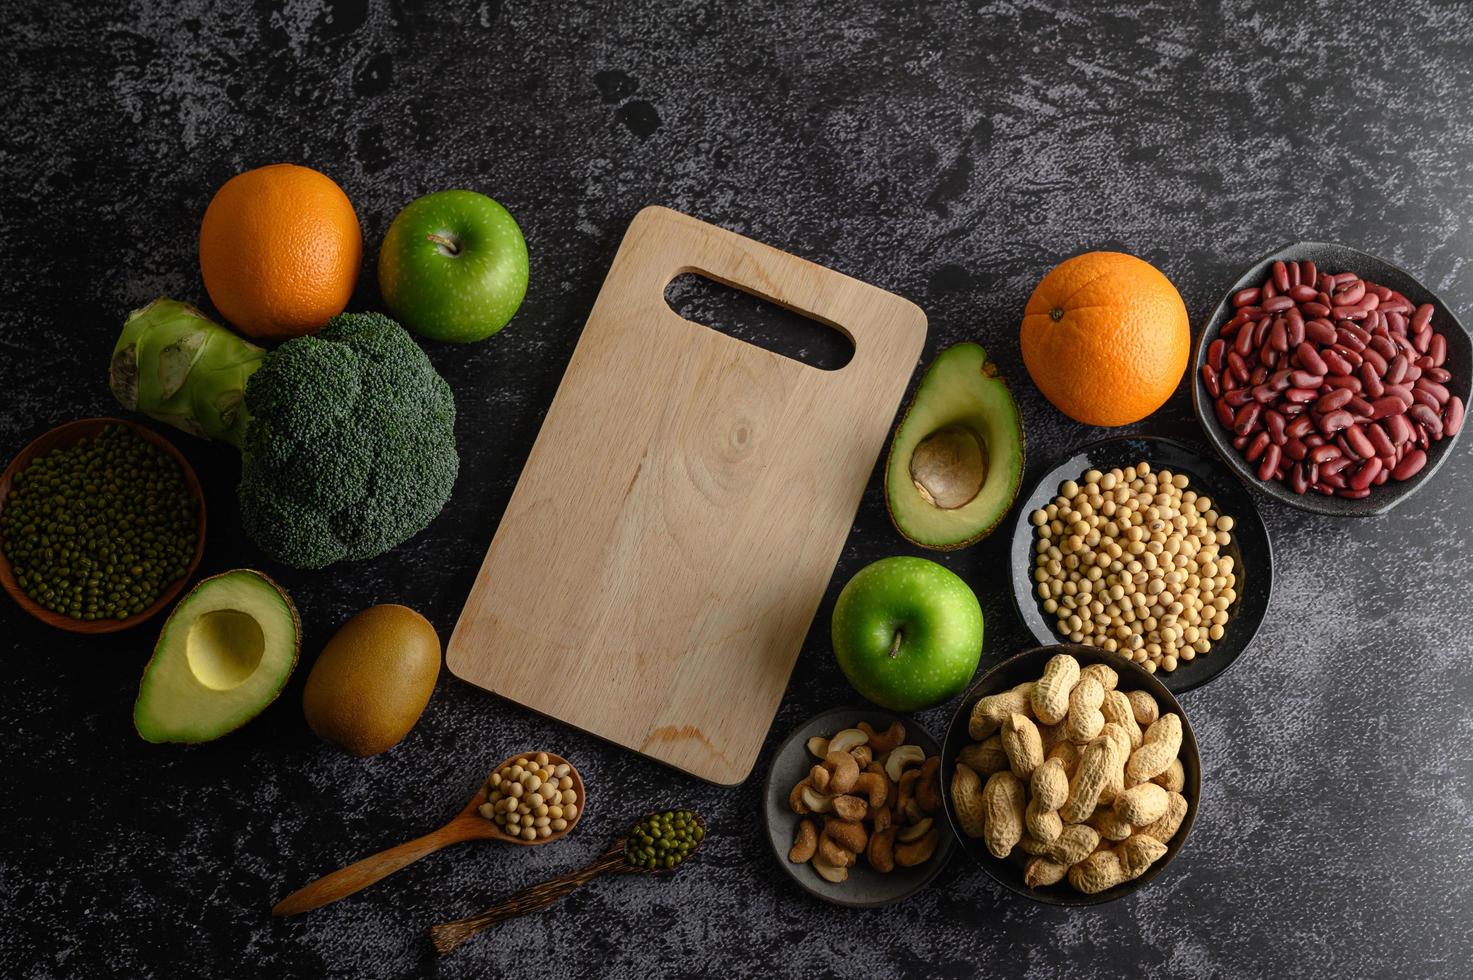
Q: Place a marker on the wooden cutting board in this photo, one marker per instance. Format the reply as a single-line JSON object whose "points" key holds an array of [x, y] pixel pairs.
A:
{"points": [[687, 498]]}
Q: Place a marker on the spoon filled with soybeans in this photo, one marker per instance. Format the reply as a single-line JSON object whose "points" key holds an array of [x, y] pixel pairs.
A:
{"points": [[532, 798]]}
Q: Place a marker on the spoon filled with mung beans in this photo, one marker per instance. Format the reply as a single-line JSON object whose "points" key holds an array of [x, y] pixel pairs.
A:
{"points": [[531, 798], [658, 843]]}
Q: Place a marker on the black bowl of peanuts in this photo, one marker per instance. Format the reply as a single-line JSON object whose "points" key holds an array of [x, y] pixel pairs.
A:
{"points": [[1332, 380], [1147, 550], [1070, 777]]}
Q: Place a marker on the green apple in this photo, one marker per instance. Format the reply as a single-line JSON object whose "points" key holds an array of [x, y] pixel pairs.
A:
{"points": [[907, 633], [453, 266]]}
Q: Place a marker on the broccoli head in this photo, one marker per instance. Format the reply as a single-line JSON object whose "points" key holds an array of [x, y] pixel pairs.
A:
{"points": [[348, 445]]}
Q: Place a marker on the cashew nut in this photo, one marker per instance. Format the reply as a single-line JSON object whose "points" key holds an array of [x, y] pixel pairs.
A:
{"points": [[873, 786], [915, 831], [849, 808], [818, 746], [815, 802], [847, 740], [862, 755], [819, 777], [928, 787], [844, 769], [919, 852], [901, 757], [881, 853], [887, 740], [832, 852], [828, 871], [795, 797], [850, 836], [805, 842]]}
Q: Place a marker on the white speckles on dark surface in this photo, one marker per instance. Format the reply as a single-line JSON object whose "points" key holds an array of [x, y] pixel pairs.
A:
{"points": [[949, 152]]}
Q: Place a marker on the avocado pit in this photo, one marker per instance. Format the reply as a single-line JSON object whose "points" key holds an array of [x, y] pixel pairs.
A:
{"points": [[949, 467], [224, 647]]}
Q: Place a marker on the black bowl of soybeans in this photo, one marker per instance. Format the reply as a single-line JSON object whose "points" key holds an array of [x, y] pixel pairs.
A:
{"points": [[102, 523], [1332, 380]]}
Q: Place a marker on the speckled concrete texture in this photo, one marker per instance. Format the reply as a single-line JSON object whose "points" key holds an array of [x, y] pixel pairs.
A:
{"points": [[949, 151]]}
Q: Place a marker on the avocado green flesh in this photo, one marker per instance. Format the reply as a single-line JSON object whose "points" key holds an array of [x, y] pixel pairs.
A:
{"points": [[223, 655], [955, 394]]}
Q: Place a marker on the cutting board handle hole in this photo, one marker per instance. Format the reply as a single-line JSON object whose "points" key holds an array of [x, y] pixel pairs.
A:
{"points": [[757, 321]]}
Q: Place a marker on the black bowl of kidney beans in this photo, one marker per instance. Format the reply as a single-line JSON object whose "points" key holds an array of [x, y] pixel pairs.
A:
{"points": [[1334, 381]]}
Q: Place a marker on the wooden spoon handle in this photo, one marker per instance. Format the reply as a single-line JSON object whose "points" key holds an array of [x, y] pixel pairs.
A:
{"points": [[355, 877], [448, 935]]}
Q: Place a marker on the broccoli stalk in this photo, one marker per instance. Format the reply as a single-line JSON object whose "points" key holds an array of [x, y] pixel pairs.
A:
{"points": [[174, 363], [347, 437]]}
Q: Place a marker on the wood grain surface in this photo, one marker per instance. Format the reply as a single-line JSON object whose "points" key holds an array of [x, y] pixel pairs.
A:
{"points": [[684, 505]]}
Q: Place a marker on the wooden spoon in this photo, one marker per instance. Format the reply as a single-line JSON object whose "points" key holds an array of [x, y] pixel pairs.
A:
{"points": [[467, 825], [448, 935]]}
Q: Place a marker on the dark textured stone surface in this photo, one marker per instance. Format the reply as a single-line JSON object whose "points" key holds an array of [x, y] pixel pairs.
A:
{"points": [[948, 153]]}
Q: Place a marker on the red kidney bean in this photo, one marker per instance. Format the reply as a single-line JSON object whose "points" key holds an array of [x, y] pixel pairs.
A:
{"points": [[1324, 453], [1349, 312], [1280, 274], [1424, 397], [1294, 328], [1211, 380], [1371, 381], [1359, 407], [1224, 413], [1275, 424], [1308, 273], [1267, 356], [1441, 375], [1403, 392], [1345, 338], [1350, 494], [1246, 297], [1258, 376], [1359, 442], [1396, 370], [1343, 381], [1315, 310], [1241, 442], [1398, 429], [1296, 449], [1310, 360], [1243, 343], [1395, 320], [1301, 395], [1371, 356], [1383, 346], [1452, 416], [1334, 362], [1302, 293], [1413, 373], [1365, 473], [1278, 304], [1335, 399], [1386, 406], [1421, 317], [1292, 409], [1422, 340], [1256, 446], [1237, 367], [1264, 393], [1437, 349], [1380, 442], [1300, 427], [1332, 468], [1429, 418], [1350, 293], [1303, 379], [1411, 464], [1314, 439], [1238, 397], [1216, 354], [1332, 422], [1299, 479], [1268, 467], [1247, 418], [1278, 336]]}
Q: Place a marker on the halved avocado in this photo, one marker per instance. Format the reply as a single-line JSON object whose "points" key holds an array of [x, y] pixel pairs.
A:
{"points": [[223, 655], [957, 455]]}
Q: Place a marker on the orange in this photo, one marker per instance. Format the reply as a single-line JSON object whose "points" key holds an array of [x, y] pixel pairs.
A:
{"points": [[279, 250], [1105, 338]]}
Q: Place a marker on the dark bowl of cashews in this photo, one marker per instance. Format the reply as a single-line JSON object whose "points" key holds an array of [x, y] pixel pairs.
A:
{"points": [[1332, 380], [1070, 776]]}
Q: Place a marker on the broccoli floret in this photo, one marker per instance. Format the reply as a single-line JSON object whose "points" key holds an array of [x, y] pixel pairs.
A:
{"points": [[351, 445]]}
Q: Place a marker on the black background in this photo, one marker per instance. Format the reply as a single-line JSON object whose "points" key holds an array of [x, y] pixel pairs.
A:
{"points": [[950, 152]]}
